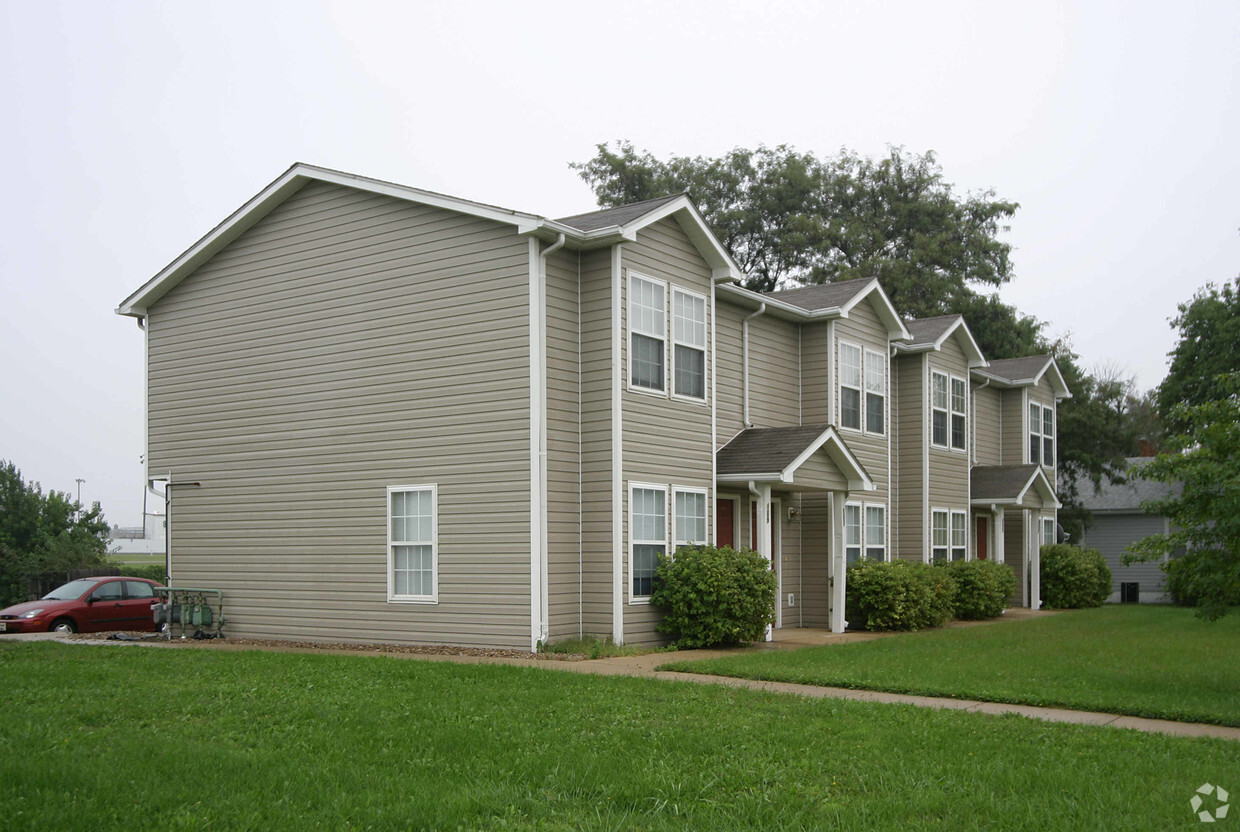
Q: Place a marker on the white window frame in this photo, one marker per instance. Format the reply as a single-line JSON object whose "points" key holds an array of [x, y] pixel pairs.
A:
{"points": [[1048, 436], [1037, 428], [392, 543], [678, 538], [661, 285], [1047, 530], [680, 342], [634, 542], [945, 410], [859, 387], [961, 547], [863, 544], [963, 413], [869, 544], [881, 359], [946, 548]]}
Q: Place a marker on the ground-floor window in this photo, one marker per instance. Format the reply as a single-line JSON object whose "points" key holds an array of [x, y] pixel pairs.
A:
{"points": [[865, 532], [647, 536], [1048, 531], [960, 535], [413, 567], [690, 516]]}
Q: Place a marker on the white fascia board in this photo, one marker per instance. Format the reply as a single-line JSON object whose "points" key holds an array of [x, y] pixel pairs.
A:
{"points": [[754, 299], [276, 193], [768, 476], [972, 351], [886, 311], [850, 467], [723, 267]]}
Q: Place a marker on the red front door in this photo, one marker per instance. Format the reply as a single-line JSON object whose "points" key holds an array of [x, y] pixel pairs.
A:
{"points": [[725, 523], [983, 544]]}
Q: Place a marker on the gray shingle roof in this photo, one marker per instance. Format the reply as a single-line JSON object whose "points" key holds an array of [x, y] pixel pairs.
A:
{"points": [[1018, 369], [765, 450], [825, 296], [1000, 483], [928, 330], [622, 215], [1127, 497]]}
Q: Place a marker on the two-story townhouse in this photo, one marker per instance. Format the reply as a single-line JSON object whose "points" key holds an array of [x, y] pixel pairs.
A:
{"points": [[385, 414]]}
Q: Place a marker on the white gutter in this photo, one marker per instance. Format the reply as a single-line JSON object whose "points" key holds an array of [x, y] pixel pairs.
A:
{"points": [[745, 351]]}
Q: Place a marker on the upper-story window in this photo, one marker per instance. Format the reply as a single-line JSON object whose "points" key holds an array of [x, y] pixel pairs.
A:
{"points": [[1041, 434], [688, 344], [875, 391], [647, 332], [938, 409], [850, 386], [960, 407]]}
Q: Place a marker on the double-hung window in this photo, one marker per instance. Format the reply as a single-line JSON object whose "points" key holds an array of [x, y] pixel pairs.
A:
{"points": [[852, 532], [875, 391], [876, 532], [960, 406], [960, 535], [939, 548], [648, 536], [1041, 434], [1048, 531], [413, 551], [688, 344], [690, 528], [865, 532], [647, 333], [938, 409], [850, 386]]}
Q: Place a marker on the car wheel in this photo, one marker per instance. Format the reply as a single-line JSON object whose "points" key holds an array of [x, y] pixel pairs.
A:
{"points": [[63, 625]]}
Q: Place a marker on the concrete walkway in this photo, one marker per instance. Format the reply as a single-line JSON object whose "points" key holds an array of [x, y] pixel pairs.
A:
{"points": [[646, 666]]}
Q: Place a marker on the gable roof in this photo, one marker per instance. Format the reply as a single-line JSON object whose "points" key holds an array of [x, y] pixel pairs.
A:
{"points": [[1008, 484], [929, 334], [1026, 372], [606, 228], [830, 300], [1125, 498], [776, 453]]}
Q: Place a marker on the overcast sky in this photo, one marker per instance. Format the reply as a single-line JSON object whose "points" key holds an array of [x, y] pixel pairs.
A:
{"points": [[132, 128]]}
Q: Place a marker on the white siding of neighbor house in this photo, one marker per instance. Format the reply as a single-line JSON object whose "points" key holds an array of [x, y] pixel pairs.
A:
{"points": [[667, 441], [345, 343], [1110, 534]]}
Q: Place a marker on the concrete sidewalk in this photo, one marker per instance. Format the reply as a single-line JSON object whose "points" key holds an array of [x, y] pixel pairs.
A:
{"points": [[647, 666]]}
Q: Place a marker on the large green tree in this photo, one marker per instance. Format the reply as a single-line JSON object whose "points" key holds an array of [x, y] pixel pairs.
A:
{"points": [[1205, 516], [43, 533], [790, 218], [1207, 351]]}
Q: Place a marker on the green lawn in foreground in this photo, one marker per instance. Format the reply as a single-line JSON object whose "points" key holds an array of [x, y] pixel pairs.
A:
{"points": [[104, 738], [1142, 660]]}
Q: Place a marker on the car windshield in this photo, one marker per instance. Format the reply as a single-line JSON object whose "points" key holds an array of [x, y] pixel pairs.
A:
{"points": [[71, 591]]}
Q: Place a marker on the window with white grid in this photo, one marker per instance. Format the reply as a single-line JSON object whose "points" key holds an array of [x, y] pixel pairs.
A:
{"points": [[412, 543], [647, 332]]}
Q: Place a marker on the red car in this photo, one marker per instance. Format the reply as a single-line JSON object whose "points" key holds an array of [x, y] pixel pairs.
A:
{"points": [[86, 605]]}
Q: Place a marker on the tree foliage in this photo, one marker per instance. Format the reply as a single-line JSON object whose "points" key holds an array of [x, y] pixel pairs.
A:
{"points": [[42, 533], [1208, 350], [1205, 515], [791, 218]]}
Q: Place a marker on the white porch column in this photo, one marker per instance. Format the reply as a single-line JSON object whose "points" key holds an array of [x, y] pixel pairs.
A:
{"points": [[766, 545], [1035, 561], [839, 568], [998, 513]]}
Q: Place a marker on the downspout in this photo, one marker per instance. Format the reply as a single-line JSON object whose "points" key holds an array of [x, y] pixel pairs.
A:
{"points": [[538, 395], [745, 349]]}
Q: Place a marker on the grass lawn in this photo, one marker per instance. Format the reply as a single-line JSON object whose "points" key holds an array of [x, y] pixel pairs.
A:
{"points": [[106, 738], [1141, 660]]}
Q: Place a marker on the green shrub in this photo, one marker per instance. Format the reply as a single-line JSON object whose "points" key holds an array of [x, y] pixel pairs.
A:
{"points": [[1072, 577], [714, 596], [1203, 578], [982, 588], [155, 572], [898, 595]]}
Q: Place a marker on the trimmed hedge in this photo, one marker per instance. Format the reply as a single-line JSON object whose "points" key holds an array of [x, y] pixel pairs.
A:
{"points": [[154, 573], [714, 596], [898, 595], [982, 588], [1072, 577]]}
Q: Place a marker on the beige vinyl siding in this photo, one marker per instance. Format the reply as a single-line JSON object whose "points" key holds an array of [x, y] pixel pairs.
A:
{"points": [[667, 441], [596, 447], [815, 389], [729, 370], [1013, 438], [346, 343], [987, 421], [564, 584], [948, 477], [1044, 395], [908, 520], [1015, 543], [774, 375], [815, 561], [864, 328]]}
